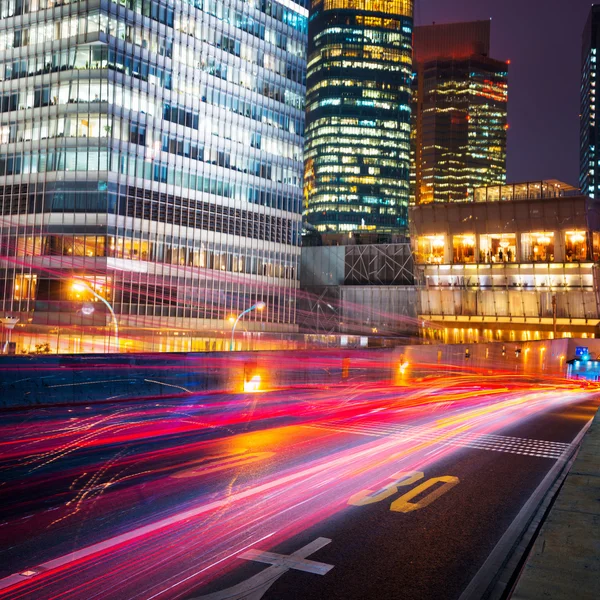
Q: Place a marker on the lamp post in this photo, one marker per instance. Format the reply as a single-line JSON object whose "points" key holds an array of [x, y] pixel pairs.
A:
{"points": [[80, 286], [9, 324], [257, 306]]}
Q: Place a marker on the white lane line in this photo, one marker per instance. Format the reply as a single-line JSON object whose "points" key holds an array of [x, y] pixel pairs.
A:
{"points": [[169, 385], [189, 514], [282, 560], [255, 587]]}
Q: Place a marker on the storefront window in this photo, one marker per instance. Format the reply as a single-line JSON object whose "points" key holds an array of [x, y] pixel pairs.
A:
{"points": [[463, 248], [498, 248], [538, 246], [430, 249], [576, 246]]}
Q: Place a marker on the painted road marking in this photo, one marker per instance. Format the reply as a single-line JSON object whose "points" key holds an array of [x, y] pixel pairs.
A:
{"points": [[183, 516], [404, 504], [255, 587], [493, 443]]}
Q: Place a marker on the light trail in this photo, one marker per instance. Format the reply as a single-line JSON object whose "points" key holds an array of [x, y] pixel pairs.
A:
{"points": [[210, 497]]}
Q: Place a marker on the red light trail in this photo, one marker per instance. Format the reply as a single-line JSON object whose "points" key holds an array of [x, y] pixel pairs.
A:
{"points": [[154, 500]]}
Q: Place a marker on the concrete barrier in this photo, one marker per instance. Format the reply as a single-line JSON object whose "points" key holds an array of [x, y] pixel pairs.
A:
{"points": [[64, 379], [30, 380], [564, 563]]}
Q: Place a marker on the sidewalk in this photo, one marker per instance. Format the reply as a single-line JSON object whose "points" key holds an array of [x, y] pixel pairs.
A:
{"points": [[564, 563]]}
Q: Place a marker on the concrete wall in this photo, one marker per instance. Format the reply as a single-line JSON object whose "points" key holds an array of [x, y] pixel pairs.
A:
{"points": [[64, 379]]}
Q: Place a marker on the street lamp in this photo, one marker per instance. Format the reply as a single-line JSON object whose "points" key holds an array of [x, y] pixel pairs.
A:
{"points": [[80, 286], [9, 324], [257, 306]]}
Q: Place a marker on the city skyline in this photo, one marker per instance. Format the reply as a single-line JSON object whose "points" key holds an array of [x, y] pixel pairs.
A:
{"points": [[543, 117]]}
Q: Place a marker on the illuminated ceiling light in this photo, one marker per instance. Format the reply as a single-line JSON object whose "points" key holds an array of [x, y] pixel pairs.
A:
{"points": [[576, 237]]}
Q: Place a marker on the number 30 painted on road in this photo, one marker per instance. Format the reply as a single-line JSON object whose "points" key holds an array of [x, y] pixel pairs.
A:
{"points": [[404, 504]]}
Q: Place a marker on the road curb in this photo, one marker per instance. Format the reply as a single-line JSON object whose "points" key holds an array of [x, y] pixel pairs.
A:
{"points": [[497, 575], [564, 562]]}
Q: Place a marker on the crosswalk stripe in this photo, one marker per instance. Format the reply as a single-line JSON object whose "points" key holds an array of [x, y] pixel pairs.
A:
{"points": [[491, 442]]}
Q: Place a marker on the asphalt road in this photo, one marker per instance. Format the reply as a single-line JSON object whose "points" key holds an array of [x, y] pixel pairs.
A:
{"points": [[381, 492]]}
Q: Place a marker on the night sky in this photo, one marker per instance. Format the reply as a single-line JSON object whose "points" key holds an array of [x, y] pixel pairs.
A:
{"points": [[542, 39]]}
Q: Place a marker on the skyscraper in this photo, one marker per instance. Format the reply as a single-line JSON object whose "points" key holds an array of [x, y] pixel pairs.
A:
{"points": [[459, 115], [358, 116], [152, 154], [589, 162]]}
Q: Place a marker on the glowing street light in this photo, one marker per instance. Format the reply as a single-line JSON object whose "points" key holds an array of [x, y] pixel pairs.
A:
{"points": [[9, 324], [258, 306], [80, 286]]}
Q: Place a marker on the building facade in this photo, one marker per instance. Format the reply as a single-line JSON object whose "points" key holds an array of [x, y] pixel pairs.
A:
{"points": [[520, 262], [358, 290], [151, 152], [589, 163], [459, 113], [358, 116]]}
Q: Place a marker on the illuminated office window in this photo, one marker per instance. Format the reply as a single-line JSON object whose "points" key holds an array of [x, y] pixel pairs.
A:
{"points": [[24, 287]]}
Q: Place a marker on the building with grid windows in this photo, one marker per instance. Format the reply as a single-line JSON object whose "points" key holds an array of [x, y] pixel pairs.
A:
{"points": [[358, 117], [589, 164], [151, 154], [518, 262], [459, 113]]}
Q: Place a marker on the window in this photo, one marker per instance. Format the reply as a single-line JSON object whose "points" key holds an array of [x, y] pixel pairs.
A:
{"points": [[576, 246], [463, 247], [596, 246], [430, 249], [500, 247], [24, 287], [537, 246]]}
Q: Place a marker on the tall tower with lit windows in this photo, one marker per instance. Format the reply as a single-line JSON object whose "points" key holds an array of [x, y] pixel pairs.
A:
{"points": [[459, 115], [356, 162], [589, 155], [150, 153]]}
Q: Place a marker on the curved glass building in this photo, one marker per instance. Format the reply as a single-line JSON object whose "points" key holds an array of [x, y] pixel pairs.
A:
{"points": [[356, 163]]}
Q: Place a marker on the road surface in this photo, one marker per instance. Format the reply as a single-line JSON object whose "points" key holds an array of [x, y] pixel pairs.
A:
{"points": [[366, 491]]}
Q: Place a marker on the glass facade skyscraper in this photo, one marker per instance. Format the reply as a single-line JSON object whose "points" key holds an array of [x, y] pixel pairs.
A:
{"points": [[460, 99], [589, 163], [152, 149], [358, 116]]}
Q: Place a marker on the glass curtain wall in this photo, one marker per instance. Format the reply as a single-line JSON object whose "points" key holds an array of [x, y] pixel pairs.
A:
{"points": [[358, 115], [157, 144]]}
